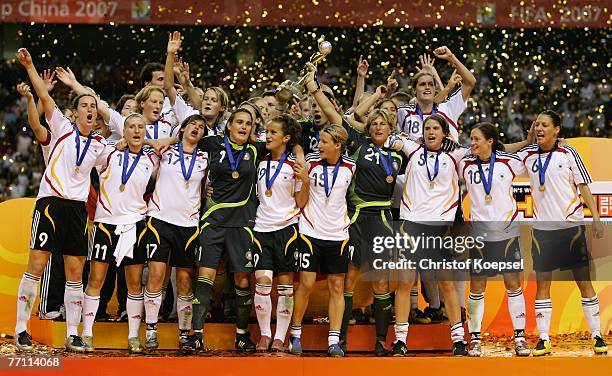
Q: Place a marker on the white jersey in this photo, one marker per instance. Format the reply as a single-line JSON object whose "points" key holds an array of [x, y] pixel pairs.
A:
{"points": [[559, 205], [173, 200], [183, 111], [411, 122], [322, 218], [161, 129], [420, 202], [279, 210], [125, 207], [62, 178], [495, 217]]}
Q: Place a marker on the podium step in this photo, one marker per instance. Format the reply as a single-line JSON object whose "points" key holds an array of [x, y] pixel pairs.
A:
{"points": [[113, 335]]}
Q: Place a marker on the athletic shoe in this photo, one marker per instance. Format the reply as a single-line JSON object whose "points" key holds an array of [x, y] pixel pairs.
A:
{"points": [[521, 348], [358, 315], [335, 351], [352, 319], [599, 346], [243, 342], [264, 343], [436, 315], [75, 343], [134, 346], [88, 341], [151, 342], [460, 348], [183, 334], [295, 346], [399, 349], [542, 348], [418, 317], [23, 341], [123, 317], [343, 345], [278, 345], [102, 317], [382, 349], [194, 343], [53, 315], [475, 349]]}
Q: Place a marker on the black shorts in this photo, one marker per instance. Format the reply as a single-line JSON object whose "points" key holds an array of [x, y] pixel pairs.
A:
{"points": [[327, 256], [104, 241], [433, 243], [366, 235], [237, 242], [276, 250], [505, 252], [60, 226], [559, 249], [168, 243]]}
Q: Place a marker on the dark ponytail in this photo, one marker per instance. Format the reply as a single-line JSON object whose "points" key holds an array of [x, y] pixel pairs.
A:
{"points": [[290, 127], [489, 130]]}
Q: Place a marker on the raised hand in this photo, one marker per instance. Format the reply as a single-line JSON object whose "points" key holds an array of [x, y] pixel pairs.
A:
{"points": [[301, 172], [183, 68], [174, 42], [443, 53], [362, 67], [48, 78], [66, 76], [392, 83], [24, 90], [381, 90], [427, 63], [24, 58]]}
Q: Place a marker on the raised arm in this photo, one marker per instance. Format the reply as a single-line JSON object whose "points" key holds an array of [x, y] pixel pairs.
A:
{"points": [[315, 90], [450, 85], [194, 96], [174, 44], [427, 65], [67, 77], [48, 77], [362, 71], [48, 104], [364, 106], [41, 133], [468, 79], [516, 146]]}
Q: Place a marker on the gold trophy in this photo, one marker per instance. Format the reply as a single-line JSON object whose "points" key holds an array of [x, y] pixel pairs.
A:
{"points": [[288, 89]]}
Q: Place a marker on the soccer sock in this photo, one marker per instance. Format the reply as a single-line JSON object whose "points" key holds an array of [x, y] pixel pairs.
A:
{"points": [[263, 308], [152, 303], [401, 331], [460, 282], [184, 311], [475, 315], [26, 295], [414, 297], [516, 308], [590, 307], [90, 307], [284, 310], [333, 337], [243, 309], [73, 302], [134, 307], [201, 302], [457, 332], [346, 316], [543, 311], [382, 314], [296, 331]]}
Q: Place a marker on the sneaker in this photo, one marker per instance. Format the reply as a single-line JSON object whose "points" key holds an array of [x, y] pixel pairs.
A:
{"points": [[343, 345], [599, 346], [194, 343], [102, 317], [123, 317], [183, 334], [53, 315], [151, 342], [23, 341], [418, 317], [460, 348], [542, 348], [295, 346], [436, 315], [335, 351], [88, 341], [75, 343], [134, 346], [358, 315], [352, 319], [278, 345], [521, 348], [474, 349], [264, 343], [399, 349], [243, 343], [382, 349]]}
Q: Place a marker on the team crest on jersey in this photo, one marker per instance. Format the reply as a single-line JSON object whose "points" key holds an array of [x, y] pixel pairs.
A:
{"points": [[517, 255], [296, 255], [247, 157], [248, 255], [395, 165]]}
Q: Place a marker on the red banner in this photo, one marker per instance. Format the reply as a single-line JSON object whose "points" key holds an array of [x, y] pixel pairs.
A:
{"points": [[323, 13]]}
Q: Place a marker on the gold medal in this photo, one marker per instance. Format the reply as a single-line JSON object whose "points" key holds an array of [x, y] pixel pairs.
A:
{"points": [[235, 175], [186, 183], [431, 185], [76, 170], [488, 198], [327, 200], [542, 188], [122, 187], [389, 179], [268, 193]]}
